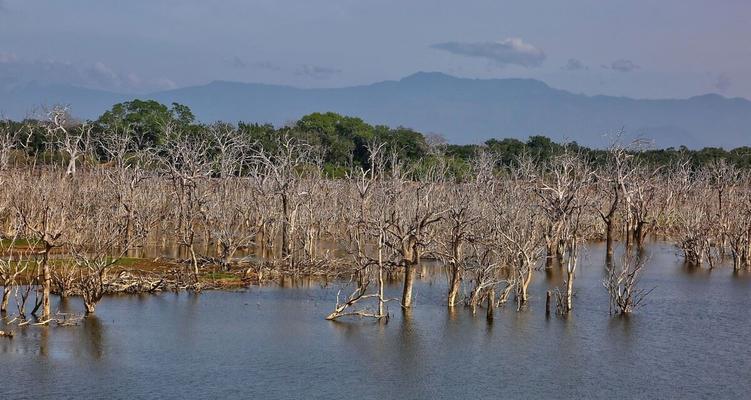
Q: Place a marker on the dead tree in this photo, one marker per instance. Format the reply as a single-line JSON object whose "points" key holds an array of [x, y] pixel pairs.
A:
{"points": [[558, 186], [12, 266], [723, 179], [455, 232], [692, 221], [283, 168], [622, 285], [412, 213], [231, 216], [67, 136], [44, 220], [367, 222], [189, 168], [737, 226], [10, 140], [650, 200], [517, 227], [613, 186]]}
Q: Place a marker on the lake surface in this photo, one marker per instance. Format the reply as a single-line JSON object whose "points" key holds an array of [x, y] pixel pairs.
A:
{"points": [[692, 339]]}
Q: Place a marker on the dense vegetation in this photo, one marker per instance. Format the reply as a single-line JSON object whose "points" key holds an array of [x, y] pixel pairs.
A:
{"points": [[341, 141]]}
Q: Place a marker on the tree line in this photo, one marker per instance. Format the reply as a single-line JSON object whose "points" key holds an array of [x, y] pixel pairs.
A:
{"points": [[342, 140]]}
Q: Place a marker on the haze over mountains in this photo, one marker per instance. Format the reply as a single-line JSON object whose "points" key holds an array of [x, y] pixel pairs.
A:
{"points": [[462, 110]]}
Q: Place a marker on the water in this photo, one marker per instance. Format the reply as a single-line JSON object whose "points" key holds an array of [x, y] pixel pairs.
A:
{"points": [[691, 340]]}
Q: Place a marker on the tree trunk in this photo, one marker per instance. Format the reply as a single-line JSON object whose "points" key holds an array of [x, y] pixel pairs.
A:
{"points": [[409, 278], [640, 234], [46, 283], [456, 277], [526, 280], [381, 311], [569, 290], [491, 302], [285, 226], [71, 170], [550, 250], [609, 241], [6, 297], [194, 259]]}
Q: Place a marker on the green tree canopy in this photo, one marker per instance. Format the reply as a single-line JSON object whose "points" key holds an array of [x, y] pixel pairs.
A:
{"points": [[147, 119]]}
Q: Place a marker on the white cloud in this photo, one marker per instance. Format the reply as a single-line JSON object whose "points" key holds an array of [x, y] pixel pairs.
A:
{"points": [[505, 52]]}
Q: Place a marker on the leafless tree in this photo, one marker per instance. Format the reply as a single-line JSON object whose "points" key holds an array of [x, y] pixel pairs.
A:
{"points": [[614, 186], [283, 169], [67, 136], [622, 284], [189, 168], [558, 186]]}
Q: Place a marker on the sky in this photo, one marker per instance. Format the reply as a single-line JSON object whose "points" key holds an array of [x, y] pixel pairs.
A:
{"points": [[634, 48]]}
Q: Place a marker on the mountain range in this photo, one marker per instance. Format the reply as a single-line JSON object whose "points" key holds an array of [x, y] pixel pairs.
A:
{"points": [[462, 110]]}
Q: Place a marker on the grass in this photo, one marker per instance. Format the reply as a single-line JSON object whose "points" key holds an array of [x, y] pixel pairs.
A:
{"points": [[18, 243], [220, 276]]}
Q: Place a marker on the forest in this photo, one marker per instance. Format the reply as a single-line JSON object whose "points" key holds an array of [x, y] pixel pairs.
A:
{"points": [[355, 205]]}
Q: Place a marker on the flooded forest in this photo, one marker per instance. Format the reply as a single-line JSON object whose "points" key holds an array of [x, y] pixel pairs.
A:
{"points": [[126, 243], [91, 215]]}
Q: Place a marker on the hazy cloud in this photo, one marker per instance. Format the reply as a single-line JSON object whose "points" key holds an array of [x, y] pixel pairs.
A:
{"points": [[15, 70], [723, 82], [238, 63], [266, 65], [317, 72], [574, 65], [505, 52], [622, 65], [7, 58]]}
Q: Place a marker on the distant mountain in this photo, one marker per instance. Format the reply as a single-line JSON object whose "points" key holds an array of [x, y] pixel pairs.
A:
{"points": [[463, 110]]}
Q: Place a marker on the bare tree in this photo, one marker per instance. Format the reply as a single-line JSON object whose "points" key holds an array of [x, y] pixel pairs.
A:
{"points": [[97, 246], [189, 168], [519, 227], [622, 285], [283, 168], [46, 220], [67, 136], [10, 140], [408, 223], [613, 185], [558, 186]]}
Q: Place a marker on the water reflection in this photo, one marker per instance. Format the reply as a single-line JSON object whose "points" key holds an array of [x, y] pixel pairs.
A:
{"points": [[92, 342], [273, 342]]}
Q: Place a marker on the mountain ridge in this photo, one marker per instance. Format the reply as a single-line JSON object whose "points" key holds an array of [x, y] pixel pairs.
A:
{"points": [[464, 110]]}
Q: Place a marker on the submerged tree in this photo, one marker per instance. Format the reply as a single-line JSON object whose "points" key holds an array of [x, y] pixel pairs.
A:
{"points": [[622, 285]]}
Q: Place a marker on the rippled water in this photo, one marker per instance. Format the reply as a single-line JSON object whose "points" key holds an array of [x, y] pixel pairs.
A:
{"points": [[691, 340]]}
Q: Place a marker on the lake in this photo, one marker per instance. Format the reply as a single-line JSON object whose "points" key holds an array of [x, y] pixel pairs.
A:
{"points": [[692, 339]]}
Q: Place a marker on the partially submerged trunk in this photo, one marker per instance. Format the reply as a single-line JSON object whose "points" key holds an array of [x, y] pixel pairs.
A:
{"points": [[5, 299], [409, 278], [456, 277], [411, 259], [491, 302], [46, 282]]}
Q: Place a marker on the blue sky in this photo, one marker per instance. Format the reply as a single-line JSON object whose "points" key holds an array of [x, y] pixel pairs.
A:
{"points": [[636, 48]]}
